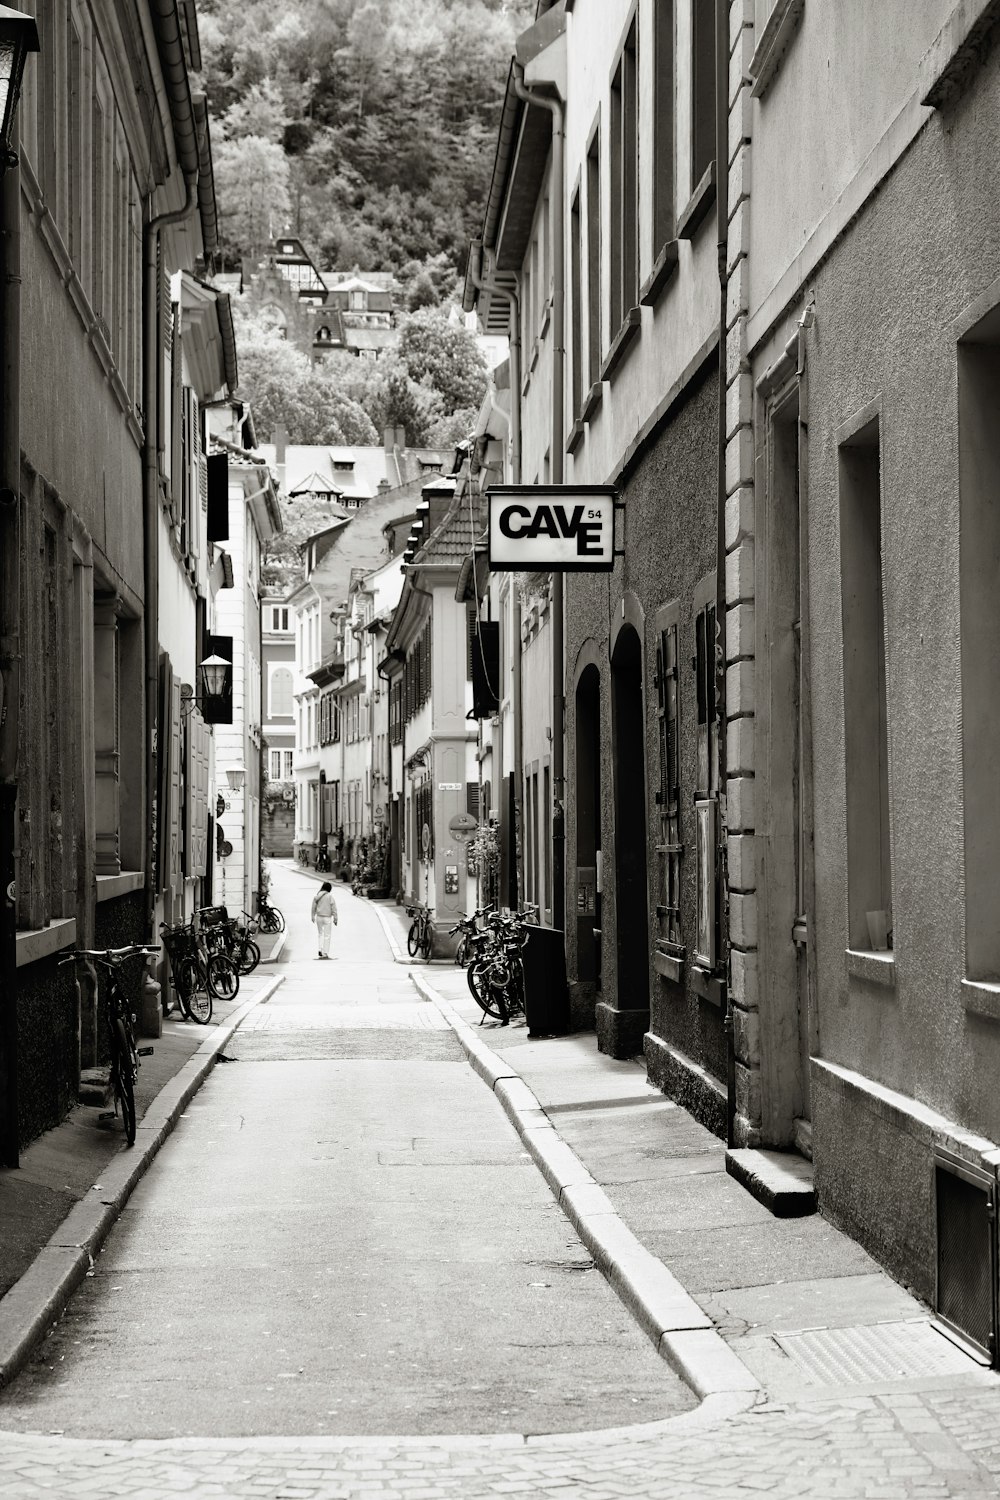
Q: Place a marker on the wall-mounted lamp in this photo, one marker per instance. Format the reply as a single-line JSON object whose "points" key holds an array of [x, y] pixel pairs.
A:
{"points": [[212, 677], [236, 775], [18, 37]]}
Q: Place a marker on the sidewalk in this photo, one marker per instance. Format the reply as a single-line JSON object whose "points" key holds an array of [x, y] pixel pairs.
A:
{"points": [[735, 1298], [58, 1206]]}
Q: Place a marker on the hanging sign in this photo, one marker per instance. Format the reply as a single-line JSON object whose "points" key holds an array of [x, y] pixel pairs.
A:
{"points": [[561, 528]]}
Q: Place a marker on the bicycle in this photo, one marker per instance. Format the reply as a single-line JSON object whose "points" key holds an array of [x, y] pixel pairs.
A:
{"points": [[200, 969], [469, 928], [269, 917], [125, 1054], [420, 938], [496, 975], [224, 934]]}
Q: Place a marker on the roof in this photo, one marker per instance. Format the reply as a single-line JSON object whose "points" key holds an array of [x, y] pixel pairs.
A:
{"points": [[459, 532], [371, 281], [316, 484], [371, 465]]}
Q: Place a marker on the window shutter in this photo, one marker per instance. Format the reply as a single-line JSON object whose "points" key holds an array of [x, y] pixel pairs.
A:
{"points": [[175, 816], [472, 798], [217, 468], [176, 445]]}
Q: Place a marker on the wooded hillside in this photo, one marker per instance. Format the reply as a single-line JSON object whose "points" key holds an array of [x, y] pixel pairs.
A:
{"points": [[366, 127]]}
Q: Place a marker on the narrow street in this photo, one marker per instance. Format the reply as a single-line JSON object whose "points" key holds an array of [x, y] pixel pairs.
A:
{"points": [[343, 1276], [343, 1235]]}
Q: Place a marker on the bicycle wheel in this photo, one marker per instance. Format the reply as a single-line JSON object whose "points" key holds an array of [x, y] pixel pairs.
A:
{"points": [[268, 920], [427, 939], [278, 919], [201, 1000], [462, 953], [247, 956], [223, 977], [187, 978], [123, 1070], [477, 976], [413, 938]]}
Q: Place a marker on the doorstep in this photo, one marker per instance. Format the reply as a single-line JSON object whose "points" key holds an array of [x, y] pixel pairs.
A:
{"points": [[781, 1180]]}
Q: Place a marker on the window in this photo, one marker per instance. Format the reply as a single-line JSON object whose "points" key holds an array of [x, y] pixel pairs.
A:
{"points": [[663, 124], [576, 308], [275, 771], [281, 693], [594, 259], [979, 531], [289, 756], [668, 794], [624, 145], [74, 96], [702, 90], [866, 742], [279, 619]]}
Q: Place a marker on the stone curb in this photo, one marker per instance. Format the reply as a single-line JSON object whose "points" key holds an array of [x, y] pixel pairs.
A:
{"points": [[683, 1334], [39, 1297]]}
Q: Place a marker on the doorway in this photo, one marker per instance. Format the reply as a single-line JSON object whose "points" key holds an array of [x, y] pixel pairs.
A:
{"points": [[588, 827], [629, 760]]}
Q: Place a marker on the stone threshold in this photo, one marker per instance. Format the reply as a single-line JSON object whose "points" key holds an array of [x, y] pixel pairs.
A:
{"points": [[781, 1180]]}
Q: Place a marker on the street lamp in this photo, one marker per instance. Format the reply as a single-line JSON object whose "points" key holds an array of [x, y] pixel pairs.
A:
{"points": [[18, 37], [236, 775], [212, 676]]}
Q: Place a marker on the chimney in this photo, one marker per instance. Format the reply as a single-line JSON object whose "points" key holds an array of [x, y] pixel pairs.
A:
{"points": [[401, 439], [390, 439]]}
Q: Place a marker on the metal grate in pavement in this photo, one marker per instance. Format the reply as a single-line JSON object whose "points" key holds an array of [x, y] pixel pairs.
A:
{"points": [[335, 1044], [864, 1355]]}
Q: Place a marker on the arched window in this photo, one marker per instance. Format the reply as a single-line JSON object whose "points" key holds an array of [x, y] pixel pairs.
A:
{"points": [[281, 694]]}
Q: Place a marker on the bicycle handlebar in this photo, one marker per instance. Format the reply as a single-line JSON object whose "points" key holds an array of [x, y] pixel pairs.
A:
{"points": [[109, 955]]}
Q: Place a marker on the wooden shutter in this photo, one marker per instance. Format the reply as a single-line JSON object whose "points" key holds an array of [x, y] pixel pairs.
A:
{"points": [[196, 852], [175, 788]]}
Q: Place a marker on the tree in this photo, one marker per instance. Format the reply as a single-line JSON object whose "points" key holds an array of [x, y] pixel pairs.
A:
{"points": [[260, 112], [445, 357], [251, 182]]}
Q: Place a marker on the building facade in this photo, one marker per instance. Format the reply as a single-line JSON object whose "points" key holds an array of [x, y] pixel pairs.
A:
{"points": [[112, 139]]}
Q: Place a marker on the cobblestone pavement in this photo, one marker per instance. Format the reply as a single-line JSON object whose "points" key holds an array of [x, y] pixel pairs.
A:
{"points": [[879, 1447]]}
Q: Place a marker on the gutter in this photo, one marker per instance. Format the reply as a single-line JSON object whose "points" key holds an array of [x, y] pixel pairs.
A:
{"points": [[558, 197]]}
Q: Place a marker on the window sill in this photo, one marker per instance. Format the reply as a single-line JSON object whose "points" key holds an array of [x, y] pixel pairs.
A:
{"points": [[774, 42], [592, 400], [981, 997], [669, 966], [109, 886], [698, 207], [708, 985], [878, 968], [575, 436], [41, 942], [664, 267], [621, 342]]}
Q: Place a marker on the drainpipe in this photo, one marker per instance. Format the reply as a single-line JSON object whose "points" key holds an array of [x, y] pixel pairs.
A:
{"points": [[511, 297], [151, 362], [10, 645], [555, 108], [722, 220]]}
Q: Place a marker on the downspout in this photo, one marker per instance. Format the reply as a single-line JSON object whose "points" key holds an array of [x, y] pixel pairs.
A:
{"points": [[151, 362], [555, 108], [475, 263], [722, 220]]}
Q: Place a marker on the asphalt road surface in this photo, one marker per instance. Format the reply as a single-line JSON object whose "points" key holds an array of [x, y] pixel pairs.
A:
{"points": [[343, 1235]]}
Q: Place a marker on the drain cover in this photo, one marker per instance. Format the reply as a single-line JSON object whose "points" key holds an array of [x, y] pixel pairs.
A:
{"points": [[882, 1351]]}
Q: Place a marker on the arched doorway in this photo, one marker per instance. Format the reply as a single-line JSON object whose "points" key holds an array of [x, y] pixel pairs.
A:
{"points": [[588, 826], [628, 740]]}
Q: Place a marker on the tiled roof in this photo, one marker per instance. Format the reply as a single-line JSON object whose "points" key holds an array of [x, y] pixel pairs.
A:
{"points": [[460, 530]]}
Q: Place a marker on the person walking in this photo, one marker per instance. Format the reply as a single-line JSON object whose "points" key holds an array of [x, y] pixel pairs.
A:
{"points": [[324, 914]]}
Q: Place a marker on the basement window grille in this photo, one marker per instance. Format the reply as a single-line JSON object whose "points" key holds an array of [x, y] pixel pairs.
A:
{"points": [[966, 1283]]}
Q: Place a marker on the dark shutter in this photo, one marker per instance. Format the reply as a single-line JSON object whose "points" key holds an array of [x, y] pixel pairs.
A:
{"points": [[218, 498], [486, 670]]}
